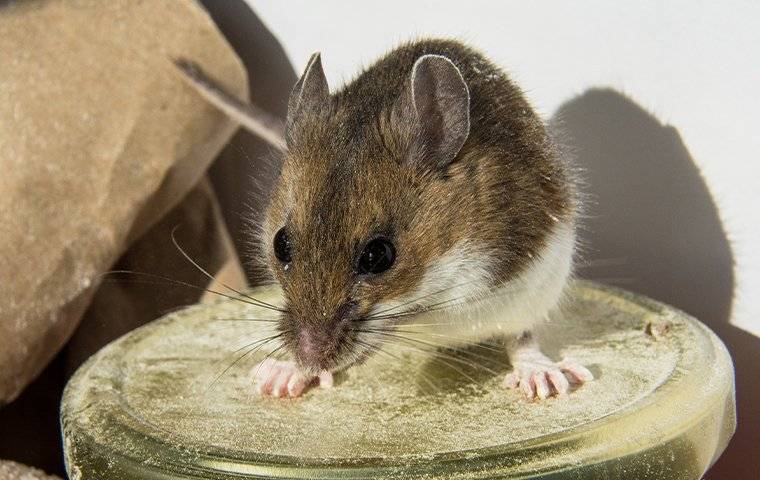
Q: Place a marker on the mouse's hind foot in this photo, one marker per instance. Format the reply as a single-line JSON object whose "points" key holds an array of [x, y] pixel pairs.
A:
{"points": [[283, 379]]}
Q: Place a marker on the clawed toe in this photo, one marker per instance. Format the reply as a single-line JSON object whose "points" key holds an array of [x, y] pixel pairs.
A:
{"points": [[283, 379], [578, 372], [545, 379], [279, 379]]}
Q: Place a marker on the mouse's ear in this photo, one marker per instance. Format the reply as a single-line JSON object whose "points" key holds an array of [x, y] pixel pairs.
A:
{"points": [[439, 100], [310, 93]]}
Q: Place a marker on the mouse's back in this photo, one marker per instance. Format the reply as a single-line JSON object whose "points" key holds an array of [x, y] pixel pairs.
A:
{"points": [[500, 116]]}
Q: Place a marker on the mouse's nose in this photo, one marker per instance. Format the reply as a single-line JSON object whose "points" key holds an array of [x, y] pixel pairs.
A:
{"points": [[315, 349], [306, 345], [319, 346]]}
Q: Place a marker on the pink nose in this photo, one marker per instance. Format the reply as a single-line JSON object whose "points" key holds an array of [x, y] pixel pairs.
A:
{"points": [[314, 350], [307, 348], [318, 346]]}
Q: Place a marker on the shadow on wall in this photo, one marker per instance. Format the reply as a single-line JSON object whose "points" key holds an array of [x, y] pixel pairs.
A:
{"points": [[653, 227]]}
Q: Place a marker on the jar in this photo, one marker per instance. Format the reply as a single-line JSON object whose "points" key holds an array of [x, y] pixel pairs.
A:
{"points": [[174, 400]]}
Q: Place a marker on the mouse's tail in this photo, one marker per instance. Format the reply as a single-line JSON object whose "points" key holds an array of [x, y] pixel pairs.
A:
{"points": [[255, 120]]}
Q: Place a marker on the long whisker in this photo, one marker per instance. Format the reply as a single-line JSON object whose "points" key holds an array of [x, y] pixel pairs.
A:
{"points": [[270, 320], [267, 357], [455, 339], [250, 348], [181, 283], [442, 305], [602, 262], [279, 354], [613, 280], [213, 279], [438, 356], [414, 311], [433, 348], [418, 299], [261, 341], [378, 349], [433, 324], [436, 307]]}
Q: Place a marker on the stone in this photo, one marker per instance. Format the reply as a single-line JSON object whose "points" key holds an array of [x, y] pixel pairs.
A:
{"points": [[16, 471], [104, 138]]}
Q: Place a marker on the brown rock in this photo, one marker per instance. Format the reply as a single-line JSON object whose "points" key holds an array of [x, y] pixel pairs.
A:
{"points": [[157, 277], [15, 471], [29, 426], [103, 139]]}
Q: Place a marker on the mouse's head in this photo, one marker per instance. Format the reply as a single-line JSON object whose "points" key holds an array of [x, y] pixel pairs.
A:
{"points": [[368, 220]]}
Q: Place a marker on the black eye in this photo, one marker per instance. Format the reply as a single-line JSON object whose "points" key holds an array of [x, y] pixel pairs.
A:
{"points": [[282, 246], [377, 257]]}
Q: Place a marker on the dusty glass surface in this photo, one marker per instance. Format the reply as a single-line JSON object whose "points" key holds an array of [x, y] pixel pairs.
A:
{"points": [[175, 399]]}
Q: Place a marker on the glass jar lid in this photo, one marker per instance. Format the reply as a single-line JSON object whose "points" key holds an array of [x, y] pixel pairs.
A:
{"points": [[175, 399]]}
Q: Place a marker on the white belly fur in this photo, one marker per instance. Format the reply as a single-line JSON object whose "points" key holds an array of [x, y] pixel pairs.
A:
{"points": [[512, 309]]}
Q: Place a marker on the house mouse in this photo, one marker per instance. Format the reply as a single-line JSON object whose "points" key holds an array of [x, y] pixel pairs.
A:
{"points": [[427, 184]]}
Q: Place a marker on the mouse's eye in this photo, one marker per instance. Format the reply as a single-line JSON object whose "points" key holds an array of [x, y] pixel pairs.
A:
{"points": [[282, 246], [377, 257]]}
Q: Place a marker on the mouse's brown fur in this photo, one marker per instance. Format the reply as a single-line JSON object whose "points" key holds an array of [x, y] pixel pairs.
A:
{"points": [[351, 174]]}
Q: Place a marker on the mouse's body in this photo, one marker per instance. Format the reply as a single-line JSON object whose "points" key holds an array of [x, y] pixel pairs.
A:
{"points": [[427, 183]]}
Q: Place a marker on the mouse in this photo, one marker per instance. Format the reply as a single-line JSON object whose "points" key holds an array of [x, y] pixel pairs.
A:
{"points": [[427, 184]]}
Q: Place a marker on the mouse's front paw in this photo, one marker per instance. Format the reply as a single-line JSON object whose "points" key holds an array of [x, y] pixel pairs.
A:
{"points": [[542, 378], [284, 379]]}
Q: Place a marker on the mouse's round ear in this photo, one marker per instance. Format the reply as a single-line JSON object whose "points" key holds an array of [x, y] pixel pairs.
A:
{"points": [[438, 100], [310, 94]]}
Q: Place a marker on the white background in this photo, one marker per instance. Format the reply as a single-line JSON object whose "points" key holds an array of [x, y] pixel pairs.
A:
{"points": [[694, 65]]}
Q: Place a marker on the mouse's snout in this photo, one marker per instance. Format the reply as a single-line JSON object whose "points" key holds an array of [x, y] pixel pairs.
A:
{"points": [[319, 344], [317, 350]]}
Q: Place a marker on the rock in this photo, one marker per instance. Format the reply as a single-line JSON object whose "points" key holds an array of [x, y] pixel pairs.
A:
{"points": [[15, 471], [163, 279], [104, 138]]}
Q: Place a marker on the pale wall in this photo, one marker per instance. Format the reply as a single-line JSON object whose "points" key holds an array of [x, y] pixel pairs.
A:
{"points": [[694, 65]]}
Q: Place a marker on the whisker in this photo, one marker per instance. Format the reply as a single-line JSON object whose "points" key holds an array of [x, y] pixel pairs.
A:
{"points": [[213, 279], [120, 281], [265, 339], [421, 298], [436, 307], [279, 355], [441, 306], [603, 262], [444, 360], [434, 324], [614, 280], [435, 349], [250, 348], [181, 283], [270, 320], [378, 349], [267, 357], [455, 339]]}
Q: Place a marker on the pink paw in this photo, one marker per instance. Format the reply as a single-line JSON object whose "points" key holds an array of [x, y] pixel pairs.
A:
{"points": [[283, 379], [543, 378]]}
